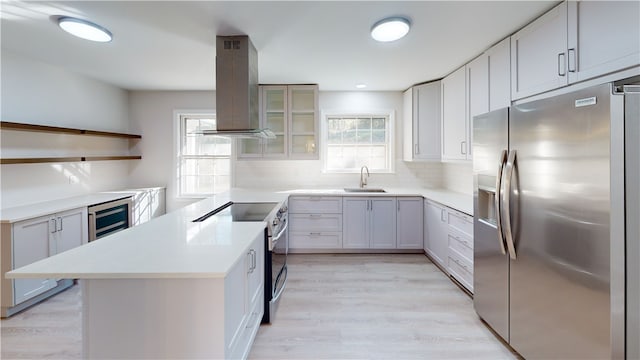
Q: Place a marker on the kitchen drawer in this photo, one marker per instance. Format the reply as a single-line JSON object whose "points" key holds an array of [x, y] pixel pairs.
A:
{"points": [[461, 243], [315, 240], [315, 205], [460, 269], [460, 221], [315, 222]]}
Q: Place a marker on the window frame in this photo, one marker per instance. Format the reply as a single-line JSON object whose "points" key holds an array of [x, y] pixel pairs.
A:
{"points": [[179, 128], [324, 134]]}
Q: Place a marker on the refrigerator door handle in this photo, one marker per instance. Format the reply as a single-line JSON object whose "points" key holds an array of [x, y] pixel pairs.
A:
{"points": [[503, 158], [505, 204]]}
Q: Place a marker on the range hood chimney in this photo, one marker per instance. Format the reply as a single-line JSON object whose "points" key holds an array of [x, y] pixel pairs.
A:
{"points": [[237, 107]]}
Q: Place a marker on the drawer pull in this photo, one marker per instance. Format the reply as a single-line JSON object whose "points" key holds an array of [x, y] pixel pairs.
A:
{"points": [[314, 234]]}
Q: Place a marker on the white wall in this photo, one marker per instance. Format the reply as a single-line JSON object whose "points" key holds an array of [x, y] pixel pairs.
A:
{"points": [[458, 177], [152, 115], [37, 93]]}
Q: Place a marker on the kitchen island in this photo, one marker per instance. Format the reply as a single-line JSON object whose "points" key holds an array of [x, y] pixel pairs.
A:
{"points": [[169, 288]]}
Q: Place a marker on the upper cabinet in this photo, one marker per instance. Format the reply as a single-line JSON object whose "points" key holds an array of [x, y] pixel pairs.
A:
{"points": [[539, 54], [422, 122], [477, 94], [499, 63], [455, 134], [575, 41], [603, 37], [291, 112]]}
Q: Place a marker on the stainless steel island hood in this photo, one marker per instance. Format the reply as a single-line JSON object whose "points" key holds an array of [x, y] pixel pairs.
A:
{"points": [[237, 104]]}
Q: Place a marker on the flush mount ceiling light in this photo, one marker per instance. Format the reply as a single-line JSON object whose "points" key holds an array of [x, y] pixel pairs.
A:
{"points": [[84, 29], [390, 29]]}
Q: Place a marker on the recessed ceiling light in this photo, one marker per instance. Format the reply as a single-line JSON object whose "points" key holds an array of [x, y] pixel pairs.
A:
{"points": [[84, 29], [390, 29], [361, 86]]}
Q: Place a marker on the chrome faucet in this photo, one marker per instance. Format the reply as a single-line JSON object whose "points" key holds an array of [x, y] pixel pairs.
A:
{"points": [[363, 180]]}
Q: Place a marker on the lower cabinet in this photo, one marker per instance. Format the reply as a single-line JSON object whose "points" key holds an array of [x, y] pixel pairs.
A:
{"points": [[244, 301], [35, 239], [435, 232], [147, 203], [315, 223], [448, 240], [369, 222], [409, 223]]}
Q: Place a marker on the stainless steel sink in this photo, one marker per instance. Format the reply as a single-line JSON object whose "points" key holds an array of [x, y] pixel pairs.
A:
{"points": [[365, 190]]}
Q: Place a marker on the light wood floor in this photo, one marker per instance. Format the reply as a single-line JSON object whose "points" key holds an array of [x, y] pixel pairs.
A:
{"points": [[335, 307]]}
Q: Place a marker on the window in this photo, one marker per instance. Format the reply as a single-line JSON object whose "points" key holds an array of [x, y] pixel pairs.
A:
{"points": [[204, 161], [352, 141]]}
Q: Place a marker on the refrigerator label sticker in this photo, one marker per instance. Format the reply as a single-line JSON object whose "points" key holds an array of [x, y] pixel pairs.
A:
{"points": [[586, 102]]}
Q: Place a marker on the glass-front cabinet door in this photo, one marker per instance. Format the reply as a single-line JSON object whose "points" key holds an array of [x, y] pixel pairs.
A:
{"points": [[274, 118], [303, 110], [291, 113]]}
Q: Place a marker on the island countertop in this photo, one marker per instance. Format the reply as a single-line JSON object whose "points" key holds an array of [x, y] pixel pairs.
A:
{"points": [[170, 246]]}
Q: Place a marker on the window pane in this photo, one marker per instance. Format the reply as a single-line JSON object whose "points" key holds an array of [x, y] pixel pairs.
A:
{"points": [[364, 123], [200, 172], [379, 123], [353, 142], [378, 136], [364, 136]]}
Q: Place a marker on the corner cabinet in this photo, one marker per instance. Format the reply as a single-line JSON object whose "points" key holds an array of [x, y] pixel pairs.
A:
{"points": [[25, 242], [421, 122], [435, 233], [291, 112], [409, 225]]}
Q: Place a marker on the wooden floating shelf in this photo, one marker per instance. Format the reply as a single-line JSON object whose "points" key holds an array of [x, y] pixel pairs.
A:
{"points": [[66, 159], [5, 125]]}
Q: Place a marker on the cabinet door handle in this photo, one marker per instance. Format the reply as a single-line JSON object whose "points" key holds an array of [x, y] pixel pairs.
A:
{"points": [[60, 228], [463, 147], [417, 149], [572, 60], [561, 68], [442, 215], [54, 225], [398, 205]]}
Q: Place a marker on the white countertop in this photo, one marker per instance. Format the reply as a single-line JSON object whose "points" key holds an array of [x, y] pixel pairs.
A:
{"points": [[169, 246], [459, 201], [19, 213], [172, 246]]}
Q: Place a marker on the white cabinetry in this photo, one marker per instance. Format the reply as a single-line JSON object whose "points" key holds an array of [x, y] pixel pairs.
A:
{"points": [[31, 242], [477, 94], [243, 301], [460, 245], [25, 242], [435, 232], [369, 222], [455, 142], [315, 222], [539, 54], [147, 204], [499, 62], [422, 122], [603, 37], [409, 224], [291, 112], [574, 41]]}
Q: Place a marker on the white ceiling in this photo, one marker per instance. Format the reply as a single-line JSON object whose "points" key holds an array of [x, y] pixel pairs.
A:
{"points": [[170, 45]]}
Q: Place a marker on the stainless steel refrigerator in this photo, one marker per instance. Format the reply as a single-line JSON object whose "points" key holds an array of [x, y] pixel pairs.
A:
{"points": [[549, 242]]}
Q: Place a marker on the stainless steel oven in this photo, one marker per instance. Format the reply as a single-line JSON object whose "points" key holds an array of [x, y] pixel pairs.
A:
{"points": [[276, 244]]}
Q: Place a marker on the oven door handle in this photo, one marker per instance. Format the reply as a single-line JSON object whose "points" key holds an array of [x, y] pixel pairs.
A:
{"points": [[275, 239], [284, 272]]}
